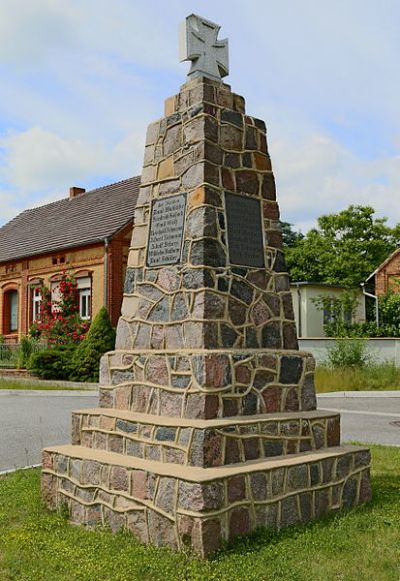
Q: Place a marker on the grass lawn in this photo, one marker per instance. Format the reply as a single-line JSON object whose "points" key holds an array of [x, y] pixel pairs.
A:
{"points": [[369, 378], [49, 386], [360, 545]]}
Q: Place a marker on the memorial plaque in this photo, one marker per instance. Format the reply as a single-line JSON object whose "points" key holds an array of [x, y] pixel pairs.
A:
{"points": [[166, 230], [245, 239]]}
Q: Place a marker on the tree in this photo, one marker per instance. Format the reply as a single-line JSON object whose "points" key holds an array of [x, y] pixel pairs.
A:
{"points": [[345, 248], [340, 310], [389, 313], [86, 358], [289, 236]]}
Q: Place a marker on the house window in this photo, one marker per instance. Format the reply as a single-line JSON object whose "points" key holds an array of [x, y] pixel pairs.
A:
{"points": [[58, 260], [84, 303], [328, 315], [36, 300], [11, 311], [85, 293], [348, 316], [55, 296]]}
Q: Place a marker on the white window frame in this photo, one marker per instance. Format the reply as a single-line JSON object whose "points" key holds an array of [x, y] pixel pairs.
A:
{"points": [[13, 306], [36, 301], [84, 285], [85, 296]]}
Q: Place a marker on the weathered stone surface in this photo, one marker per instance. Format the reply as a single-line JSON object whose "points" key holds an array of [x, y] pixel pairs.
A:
{"points": [[212, 370], [208, 252], [161, 532], [213, 449], [119, 478], [272, 399], [137, 525], [165, 499], [277, 481], [202, 222], [231, 138], [271, 335], [247, 182], [143, 485], [200, 497], [236, 488], [237, 312], [258, 486], [239, 523], [297, 477], [232, 117], [273, 448], [289, 512], [208, 305]]}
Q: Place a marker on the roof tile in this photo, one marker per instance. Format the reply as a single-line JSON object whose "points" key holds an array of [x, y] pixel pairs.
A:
{"points": [[85, 219]]}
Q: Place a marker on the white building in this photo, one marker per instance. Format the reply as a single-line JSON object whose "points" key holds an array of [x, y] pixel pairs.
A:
{"points": [[309, 317]]}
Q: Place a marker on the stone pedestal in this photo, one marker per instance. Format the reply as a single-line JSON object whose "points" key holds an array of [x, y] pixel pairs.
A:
{"points": [[207, 426]]}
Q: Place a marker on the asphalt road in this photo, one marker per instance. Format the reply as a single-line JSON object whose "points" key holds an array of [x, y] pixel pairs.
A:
{"points": [[30, 421], [371, 420]]}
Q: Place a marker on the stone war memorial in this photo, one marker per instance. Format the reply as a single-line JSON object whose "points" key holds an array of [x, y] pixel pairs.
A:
{"points": [[207, 426]]}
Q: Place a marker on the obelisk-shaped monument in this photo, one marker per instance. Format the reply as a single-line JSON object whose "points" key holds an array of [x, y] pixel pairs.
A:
{"points": [[207, 426]]}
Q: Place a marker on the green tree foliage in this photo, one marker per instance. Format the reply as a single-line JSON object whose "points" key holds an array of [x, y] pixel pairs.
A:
{"points": [[344, 248], [341, 309], [289, 236], [99, 339], [389, 313]]}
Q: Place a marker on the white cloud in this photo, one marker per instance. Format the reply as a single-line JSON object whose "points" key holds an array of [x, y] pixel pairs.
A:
{"points": [[40, 166], [83, 80], [318, 176]]}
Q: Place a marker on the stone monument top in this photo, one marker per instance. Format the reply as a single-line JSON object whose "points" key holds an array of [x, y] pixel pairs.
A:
{"points": [[198, 43]]}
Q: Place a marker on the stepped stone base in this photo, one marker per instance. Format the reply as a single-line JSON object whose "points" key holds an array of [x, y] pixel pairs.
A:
{"points": [[170, 505], [205, 443]]}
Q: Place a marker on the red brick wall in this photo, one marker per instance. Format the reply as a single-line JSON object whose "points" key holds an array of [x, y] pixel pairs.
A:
{"points": [[116, 272], [386, 278]]}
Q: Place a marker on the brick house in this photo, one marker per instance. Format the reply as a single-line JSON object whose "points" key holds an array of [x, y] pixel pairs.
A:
{"points": [[387, 275], [87, 235]]}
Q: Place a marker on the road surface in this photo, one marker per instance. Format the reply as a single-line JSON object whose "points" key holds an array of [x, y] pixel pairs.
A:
{"points": [[30, 421]]}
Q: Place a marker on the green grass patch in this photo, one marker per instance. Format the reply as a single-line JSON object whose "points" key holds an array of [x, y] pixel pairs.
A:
{"points": [[361, 544], [369, 377], [17, 384]]}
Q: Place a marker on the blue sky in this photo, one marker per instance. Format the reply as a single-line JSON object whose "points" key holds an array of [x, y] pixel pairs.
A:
{"points": [[81, 80]]}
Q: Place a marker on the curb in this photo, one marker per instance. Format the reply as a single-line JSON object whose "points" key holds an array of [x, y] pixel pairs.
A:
{"points": [[12, 470], [355, 394], [47, 393]]}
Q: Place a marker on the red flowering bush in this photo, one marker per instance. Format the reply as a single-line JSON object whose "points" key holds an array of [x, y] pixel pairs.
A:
{"points": [[59, 321]]}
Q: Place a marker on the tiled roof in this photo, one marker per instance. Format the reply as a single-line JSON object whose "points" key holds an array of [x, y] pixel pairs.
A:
{"points": [[89, 217]]}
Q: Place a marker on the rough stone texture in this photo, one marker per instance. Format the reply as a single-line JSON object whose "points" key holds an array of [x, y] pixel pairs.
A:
{"points": [[207, 426], [175, 510]]}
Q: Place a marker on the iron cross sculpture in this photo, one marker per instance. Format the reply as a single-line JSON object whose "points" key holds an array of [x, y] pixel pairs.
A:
{"points": [[198, 43]]}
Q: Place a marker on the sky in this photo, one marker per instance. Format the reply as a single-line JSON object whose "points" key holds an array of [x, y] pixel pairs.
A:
{"points": [[80, 80]]}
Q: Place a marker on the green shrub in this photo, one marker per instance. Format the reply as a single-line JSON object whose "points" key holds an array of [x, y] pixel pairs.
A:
{"points": [[100, 339], [25, 351], [53, 363], [349, 353]]}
